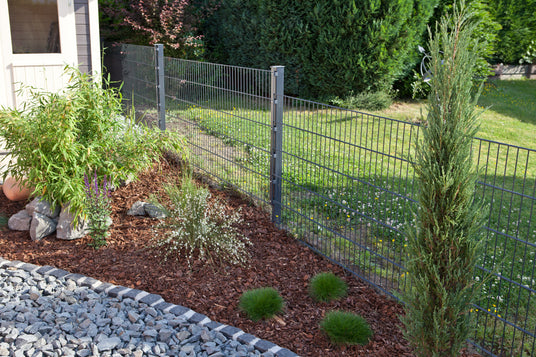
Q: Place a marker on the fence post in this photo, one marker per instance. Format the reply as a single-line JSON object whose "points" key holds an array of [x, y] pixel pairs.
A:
{"points": [[160, 89], [276, 148]]}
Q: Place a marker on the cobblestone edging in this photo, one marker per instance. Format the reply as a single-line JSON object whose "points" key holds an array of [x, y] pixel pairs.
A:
{"points": [[154, 301]]}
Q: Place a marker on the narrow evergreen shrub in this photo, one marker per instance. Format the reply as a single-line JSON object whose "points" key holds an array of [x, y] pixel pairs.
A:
{"points": [[443, 246], [327, 287], [346, 328], [199, 228], [262, 303]]}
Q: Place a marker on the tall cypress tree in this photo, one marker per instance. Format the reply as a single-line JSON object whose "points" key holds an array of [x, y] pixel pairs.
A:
{"points": [[443, 245]]}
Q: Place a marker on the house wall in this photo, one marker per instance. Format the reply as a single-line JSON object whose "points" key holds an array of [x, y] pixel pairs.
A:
{"points": [[87, 35], [83, 42]]}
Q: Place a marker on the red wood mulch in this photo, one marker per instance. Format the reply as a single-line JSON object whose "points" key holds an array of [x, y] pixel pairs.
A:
{"points": [[277, 260]]}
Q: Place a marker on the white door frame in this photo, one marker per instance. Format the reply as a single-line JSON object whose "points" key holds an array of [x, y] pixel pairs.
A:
{"points": [[8, 60]]}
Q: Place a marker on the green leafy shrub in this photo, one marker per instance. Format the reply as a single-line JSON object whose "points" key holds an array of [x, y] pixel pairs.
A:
{"points": [[530, 54], [196, 226], [365, 100], [518, 28], [329, 48], [443, 246], [262, 303], [346, 328], [327, 287], [57, 137]]}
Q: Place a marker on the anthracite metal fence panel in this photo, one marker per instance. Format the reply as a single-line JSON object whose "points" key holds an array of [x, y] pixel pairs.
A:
{"points": [[342, 181], [224, 111]]}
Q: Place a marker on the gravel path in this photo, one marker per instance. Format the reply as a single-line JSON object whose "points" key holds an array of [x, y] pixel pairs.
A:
{"points": [[46, 311]]}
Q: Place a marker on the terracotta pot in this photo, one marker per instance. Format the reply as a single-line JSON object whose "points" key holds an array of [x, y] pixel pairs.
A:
{"points": [[14, 191]]}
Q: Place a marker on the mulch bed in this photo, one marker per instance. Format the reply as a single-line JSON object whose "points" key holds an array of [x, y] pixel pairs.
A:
{"points": [[277, 260]]}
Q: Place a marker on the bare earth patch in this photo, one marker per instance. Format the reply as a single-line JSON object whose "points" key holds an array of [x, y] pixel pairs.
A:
{"points": [[277, 260]]}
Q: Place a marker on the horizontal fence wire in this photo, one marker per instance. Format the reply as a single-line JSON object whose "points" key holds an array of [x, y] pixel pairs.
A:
{"points": [[139, 79], [224, 112], [348, 187], [348, 184]]}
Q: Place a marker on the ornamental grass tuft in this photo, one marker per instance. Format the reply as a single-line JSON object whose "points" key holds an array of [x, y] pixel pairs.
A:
{"points": [[326, 287], [262, 303], [346, 328]]}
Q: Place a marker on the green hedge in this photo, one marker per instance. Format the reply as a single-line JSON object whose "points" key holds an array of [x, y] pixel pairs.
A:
{"points": [[518, 20], [329, 47]]}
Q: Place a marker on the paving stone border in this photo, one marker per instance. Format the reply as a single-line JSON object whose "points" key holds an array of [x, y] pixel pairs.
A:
{"points": [[155, 301]]}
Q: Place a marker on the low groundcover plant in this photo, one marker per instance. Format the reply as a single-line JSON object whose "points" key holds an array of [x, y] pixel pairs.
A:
{"points": [[326, 287], [346, 328], [198, 227], [262, 303]]}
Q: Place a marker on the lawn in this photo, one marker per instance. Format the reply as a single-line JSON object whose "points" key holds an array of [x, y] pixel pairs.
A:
{"points": [[348, 185], [509, 112]]}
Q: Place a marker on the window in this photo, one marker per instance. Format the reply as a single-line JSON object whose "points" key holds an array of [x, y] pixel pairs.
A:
{"points": [[34, 26]]}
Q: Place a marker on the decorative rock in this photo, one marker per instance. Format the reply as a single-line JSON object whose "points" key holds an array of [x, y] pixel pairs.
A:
{"points": [[66, 229], [20, 221], [165, 335], [14, 191], [132, 316], [137, 209], [38, 320], [42, 206], [108, 344], [154, 211], [41, 226]]}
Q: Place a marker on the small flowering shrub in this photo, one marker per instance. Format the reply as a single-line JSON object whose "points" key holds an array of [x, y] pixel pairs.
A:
{"points": [[196, 227], [346, 328], [262, 303], [98, 209], [326, 287]]}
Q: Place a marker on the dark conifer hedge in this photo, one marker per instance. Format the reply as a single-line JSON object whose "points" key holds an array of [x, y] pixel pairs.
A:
{"points": [[329, 47]]}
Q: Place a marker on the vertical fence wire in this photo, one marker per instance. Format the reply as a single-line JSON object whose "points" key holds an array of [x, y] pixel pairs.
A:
{"points": [[224, 112], [139, 80], [348, 184]]}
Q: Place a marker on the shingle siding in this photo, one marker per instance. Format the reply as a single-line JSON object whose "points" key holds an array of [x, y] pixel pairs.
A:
{"points": [[83, 42]]}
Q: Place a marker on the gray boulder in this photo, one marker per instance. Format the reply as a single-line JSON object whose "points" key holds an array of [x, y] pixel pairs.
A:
{"points": [[154, 211], [137, 209], [44, 207], [66, 229], [20, 221], [41, 226]]}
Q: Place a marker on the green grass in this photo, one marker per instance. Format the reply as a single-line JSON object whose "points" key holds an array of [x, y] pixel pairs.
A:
{"points": [[355, 211]]}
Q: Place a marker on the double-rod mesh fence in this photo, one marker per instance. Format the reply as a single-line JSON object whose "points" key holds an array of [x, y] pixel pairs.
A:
{"points": [[347, 181]]}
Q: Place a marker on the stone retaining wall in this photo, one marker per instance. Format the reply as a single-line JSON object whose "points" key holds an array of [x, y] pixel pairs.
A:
{"points": [[508, 71]]}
